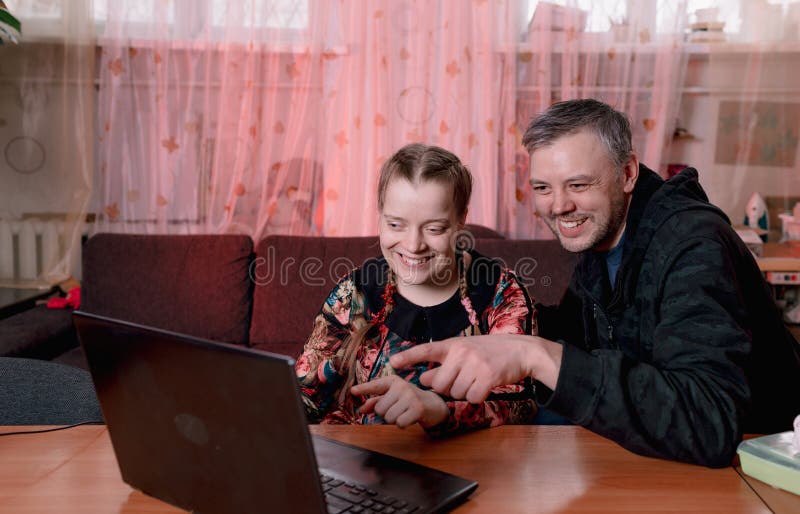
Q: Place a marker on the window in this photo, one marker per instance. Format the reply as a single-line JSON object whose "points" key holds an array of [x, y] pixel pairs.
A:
{"points": [[268, 20]]}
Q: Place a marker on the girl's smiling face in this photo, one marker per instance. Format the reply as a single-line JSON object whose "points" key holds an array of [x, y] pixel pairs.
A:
{"points": [[416, 228]]}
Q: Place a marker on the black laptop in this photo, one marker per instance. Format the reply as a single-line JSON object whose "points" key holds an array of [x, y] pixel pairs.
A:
{"points": [[216, 428]]}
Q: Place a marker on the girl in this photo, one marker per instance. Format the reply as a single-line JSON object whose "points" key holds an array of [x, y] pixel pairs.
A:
{"points": [[421, 290]]}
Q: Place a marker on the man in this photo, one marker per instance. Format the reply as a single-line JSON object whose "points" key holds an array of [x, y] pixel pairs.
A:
{"points": [[669, 341]]}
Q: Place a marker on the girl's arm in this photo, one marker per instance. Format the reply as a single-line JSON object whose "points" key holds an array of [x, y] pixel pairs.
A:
{"points": [[319, 368]]}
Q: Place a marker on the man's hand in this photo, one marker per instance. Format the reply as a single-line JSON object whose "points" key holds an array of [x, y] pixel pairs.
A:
{"points": [[472, 366], [401, 403]]}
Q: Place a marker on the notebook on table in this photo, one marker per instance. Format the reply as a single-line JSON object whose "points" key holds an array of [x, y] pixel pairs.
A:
{"points": [[216, 428]]}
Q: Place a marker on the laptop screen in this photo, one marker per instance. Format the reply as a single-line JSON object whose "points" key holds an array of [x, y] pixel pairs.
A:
{"points": [[213, 427]]}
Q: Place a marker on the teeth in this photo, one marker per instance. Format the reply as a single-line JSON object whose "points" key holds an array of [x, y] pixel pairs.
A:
{"points": [[414, 262], [572, 224]]}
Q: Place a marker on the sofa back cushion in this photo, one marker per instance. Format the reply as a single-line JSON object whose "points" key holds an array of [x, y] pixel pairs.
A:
{"points": [[541, 265], [196, 285], [293, 276], [481, 232]]}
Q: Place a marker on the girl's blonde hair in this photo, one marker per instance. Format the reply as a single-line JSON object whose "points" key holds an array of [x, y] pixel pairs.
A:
{"points": [[421, 163], [415, 163]]}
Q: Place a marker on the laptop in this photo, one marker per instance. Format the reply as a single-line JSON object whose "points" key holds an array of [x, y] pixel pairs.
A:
{"points": [[218, 428]]}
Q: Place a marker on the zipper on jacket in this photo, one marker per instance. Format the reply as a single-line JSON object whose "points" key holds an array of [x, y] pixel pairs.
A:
{"points": [[609, 327]]}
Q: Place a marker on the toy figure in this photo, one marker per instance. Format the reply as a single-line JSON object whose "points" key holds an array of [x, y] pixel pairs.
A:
{"points": [[756, 215]]}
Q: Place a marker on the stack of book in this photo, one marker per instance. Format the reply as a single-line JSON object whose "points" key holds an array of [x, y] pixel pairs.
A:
{"points": [[706, 32]]}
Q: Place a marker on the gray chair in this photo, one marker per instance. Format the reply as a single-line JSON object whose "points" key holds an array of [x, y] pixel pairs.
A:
{"points": [[36, 392]]}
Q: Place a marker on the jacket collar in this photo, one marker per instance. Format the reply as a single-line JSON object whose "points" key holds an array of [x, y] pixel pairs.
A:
{"points": [[653, 202], [421, 324]]}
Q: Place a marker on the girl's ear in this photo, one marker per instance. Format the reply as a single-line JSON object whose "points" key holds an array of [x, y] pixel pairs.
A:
{"points": [[463, 221]]}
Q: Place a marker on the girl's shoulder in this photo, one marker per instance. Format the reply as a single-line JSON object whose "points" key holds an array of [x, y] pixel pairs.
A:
{"points": [[361, 286]]}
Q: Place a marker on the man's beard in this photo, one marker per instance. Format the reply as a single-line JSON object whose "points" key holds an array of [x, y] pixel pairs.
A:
{"points": [[604, 230]]}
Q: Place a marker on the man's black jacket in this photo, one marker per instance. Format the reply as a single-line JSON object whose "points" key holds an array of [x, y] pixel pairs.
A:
{"points": [[687, 351]]}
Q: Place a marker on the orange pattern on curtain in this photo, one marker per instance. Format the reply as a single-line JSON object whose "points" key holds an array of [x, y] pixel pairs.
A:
{"points": [[214, 120], [235, 128]]}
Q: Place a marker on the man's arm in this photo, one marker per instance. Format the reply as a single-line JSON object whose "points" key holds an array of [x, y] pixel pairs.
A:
{"points": [[687, 403], [472, 366]]}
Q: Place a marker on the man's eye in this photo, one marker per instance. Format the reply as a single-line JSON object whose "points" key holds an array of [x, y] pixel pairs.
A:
{"points": [[436, 230], [578, 187], [540, 189]]}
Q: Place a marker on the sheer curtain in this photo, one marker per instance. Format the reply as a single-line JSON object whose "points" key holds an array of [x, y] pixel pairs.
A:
{"points": [[214, 119], [269, 117], [274, 116], [46, 122], [746, 110], [628, 54]]}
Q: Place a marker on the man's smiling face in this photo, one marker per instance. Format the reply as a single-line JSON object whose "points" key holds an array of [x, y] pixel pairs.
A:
{"points": [[579, 192]]}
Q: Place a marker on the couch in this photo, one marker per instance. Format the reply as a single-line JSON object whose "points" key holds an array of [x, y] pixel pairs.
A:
{"points": [[265, 296]]}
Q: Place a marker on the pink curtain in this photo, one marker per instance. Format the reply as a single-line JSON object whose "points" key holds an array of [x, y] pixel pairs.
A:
{"points": [[627, 54], [225, 117], [233, 126], [273, 116]]}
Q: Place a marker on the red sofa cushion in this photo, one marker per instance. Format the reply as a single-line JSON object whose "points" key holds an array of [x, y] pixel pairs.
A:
{"points": [[293, 275], [196, 285], [541, 265]]}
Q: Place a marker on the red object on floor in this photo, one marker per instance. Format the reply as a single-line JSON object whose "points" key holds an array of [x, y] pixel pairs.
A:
{"points": [[71, 301]]}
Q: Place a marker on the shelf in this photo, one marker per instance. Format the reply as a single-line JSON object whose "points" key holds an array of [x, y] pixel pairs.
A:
{"points": [[741, 48], [601, 43], [604, 89], [701, 90]]}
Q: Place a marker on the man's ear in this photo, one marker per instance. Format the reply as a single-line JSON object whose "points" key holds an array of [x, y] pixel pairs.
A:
{"points": [[630, 173]]}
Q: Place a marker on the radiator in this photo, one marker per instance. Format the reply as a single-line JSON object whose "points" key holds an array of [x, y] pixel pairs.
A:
{"points": [[31, 247]]}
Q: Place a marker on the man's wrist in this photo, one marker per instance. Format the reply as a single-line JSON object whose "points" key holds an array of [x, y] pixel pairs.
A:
{"points": [[544, 362]]}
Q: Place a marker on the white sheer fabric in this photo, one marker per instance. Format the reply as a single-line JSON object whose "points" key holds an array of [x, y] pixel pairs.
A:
{"points": [[46, 124], [274, 116], [215, 122], [234, 126], [627, 54]]}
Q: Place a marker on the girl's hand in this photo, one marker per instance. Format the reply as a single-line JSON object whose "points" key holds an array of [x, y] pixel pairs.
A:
{"points": [[401, 403]]}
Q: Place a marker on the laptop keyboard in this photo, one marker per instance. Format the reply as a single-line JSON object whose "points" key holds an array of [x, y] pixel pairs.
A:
{"points": [[349, 497]]}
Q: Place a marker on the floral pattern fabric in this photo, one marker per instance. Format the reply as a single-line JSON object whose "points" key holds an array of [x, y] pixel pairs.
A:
{"points": [[504, 308]]}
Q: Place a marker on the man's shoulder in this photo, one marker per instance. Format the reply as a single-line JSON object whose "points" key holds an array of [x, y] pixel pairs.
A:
{"points": [[691, 224]]}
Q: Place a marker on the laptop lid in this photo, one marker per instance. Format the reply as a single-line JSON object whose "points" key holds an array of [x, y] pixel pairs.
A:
{"points": [[213, 427]]}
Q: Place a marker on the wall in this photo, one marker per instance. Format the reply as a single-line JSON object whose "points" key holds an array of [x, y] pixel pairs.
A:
{"points": [[759, 83]]}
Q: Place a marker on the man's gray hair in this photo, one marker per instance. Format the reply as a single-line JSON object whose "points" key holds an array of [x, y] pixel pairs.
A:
{"points": [[570, 116]]}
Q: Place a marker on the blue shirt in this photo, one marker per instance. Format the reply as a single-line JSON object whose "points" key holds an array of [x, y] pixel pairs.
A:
{"points": [[614, 259]]}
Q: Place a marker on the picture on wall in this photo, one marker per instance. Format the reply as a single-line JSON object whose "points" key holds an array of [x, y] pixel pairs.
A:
{"points": [[757, 133]]}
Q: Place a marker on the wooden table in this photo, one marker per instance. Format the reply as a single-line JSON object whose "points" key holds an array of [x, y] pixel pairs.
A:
{"points": [[780, 257], [519, 468]]}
